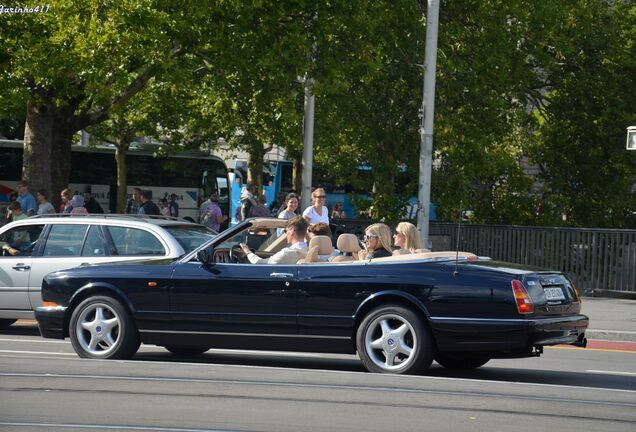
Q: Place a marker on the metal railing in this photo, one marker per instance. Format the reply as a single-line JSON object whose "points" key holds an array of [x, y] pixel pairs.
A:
{"points": [[599, 261]]}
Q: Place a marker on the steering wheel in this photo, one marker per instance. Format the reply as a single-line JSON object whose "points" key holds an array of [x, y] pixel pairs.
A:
{"points": [[236, 254]]}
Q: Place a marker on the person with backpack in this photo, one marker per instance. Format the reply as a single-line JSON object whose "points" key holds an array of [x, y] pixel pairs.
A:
{"points": [[212, 216]]}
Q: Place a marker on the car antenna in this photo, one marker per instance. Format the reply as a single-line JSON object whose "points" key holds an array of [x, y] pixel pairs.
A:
{"points": [[459, 230]]}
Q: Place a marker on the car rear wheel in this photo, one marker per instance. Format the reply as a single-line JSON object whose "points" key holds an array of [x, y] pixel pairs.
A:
{"points": [[4, 323], [186, 350], [394, 339], [101, 327], [461, 361]]}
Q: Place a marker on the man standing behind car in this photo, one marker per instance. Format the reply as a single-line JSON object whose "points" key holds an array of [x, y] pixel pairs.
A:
{"points": [[147, 206], [91, 204], [295, 231], [132, 207], [26, 199]]}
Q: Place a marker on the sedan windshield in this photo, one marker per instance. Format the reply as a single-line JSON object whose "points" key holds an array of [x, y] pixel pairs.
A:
{"points": [[190, 237]]}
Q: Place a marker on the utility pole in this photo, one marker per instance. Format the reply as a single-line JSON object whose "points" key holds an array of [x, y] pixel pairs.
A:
{"points": [[426, 126], [308, 141], [308, 145]]}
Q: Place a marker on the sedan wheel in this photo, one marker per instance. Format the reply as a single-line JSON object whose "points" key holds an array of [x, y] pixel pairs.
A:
{"points": [[101, 327], [393, 339]]}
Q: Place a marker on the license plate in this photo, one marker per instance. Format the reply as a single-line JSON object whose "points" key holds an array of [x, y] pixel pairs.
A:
{"points": [[554, 294]]}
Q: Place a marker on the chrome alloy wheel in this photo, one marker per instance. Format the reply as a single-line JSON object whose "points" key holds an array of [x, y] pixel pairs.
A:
{"points": [[391, 342], [98, 329]]}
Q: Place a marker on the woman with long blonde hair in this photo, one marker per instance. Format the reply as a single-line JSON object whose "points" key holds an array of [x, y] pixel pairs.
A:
{"points": [[377, 241], [407, 238]]}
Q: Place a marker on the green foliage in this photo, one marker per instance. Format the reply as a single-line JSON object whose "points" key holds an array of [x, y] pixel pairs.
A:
{"points": [[515, 78], [580, 146]]}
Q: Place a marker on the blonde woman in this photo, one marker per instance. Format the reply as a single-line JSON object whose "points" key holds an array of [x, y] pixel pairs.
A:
{"points": [[317, 212], [407, 238], [377, 242]]}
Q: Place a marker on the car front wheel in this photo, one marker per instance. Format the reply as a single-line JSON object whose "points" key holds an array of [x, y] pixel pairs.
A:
{"points": [[102, 328], [394, 339]]}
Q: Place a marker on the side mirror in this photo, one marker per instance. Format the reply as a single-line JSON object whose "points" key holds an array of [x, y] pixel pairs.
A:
{"points": [[205, 256]]}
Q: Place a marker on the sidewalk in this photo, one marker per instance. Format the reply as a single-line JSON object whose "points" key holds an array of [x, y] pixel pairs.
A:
{"points": [[610, 318]]}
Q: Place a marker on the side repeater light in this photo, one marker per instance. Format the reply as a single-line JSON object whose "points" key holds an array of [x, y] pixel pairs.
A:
{"points": [[523, 300], [50, 304]]}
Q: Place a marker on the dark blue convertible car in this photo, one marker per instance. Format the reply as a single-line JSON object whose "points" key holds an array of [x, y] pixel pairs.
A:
{"points": [[398, 313]]}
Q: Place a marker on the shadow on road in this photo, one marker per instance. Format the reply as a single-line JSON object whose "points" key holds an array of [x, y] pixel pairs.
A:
{"points": [[251, 358], [20, 329], [352, 364]]}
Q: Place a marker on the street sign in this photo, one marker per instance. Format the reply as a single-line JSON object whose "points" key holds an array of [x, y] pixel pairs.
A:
{"points": [[631, 138]]}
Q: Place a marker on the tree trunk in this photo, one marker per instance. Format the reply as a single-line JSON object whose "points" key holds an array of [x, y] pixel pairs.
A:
{"points": [[47, 149], [298, 173], [121, 149], [255, 166]]}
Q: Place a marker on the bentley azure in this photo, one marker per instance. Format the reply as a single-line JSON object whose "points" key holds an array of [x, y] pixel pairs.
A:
{"points": [[398, 313]]}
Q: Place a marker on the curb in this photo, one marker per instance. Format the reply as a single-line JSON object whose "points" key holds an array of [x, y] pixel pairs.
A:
{"points": [[615, 335]]}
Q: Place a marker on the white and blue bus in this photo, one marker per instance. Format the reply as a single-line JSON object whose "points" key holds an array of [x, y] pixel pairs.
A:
{"points": [[191, 176]]}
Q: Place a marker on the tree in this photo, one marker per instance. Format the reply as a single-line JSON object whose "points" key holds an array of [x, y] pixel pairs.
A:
{"points": [[75, 63], [589, 65]]}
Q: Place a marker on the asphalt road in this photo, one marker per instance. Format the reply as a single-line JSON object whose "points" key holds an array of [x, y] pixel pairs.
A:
{"points": [[44, 385]]}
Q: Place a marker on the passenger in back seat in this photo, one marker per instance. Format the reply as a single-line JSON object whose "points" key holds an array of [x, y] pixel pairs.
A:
{"points": [[377, 242], [407, 239]]}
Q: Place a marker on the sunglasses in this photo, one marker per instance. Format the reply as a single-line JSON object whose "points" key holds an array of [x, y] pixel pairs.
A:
{"points": [[320, 196], [397, 233], [368, 237]]}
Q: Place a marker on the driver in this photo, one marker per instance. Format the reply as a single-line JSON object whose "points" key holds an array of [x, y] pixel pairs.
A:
{"points": [[19, 248], [295, 231]]}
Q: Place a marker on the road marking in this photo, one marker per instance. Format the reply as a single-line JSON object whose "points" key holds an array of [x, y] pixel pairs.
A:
{"points": [[611, 372], [37, 352], [345, 386], [109, 427], [410, 378], [34, 341]]}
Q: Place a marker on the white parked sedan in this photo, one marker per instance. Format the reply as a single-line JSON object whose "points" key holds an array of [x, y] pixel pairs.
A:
{"points": [[33, 247]]}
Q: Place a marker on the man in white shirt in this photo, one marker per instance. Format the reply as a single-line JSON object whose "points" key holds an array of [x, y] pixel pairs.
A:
{"points": [[295, 231]]}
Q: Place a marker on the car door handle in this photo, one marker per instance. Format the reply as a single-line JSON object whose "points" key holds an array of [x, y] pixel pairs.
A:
{"points": [[21, 267], [282, 275]]}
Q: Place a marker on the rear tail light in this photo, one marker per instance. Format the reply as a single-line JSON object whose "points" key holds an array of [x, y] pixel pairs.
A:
{"points": [[523, 300], [576, 290]]}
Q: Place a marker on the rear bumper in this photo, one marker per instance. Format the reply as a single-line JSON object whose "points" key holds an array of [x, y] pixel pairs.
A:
{"points": [[558, 331], [51, 321], [518, 334]]}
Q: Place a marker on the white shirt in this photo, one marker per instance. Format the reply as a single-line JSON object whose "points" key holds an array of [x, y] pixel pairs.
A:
{"points": [[289, 255], [314, 217]]}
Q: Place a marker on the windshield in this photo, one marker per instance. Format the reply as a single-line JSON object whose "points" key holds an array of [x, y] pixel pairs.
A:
{"points": [[190, 237]]}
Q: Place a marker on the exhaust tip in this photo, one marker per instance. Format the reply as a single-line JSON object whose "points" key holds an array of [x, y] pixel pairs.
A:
{"points": [[581, 341]]}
